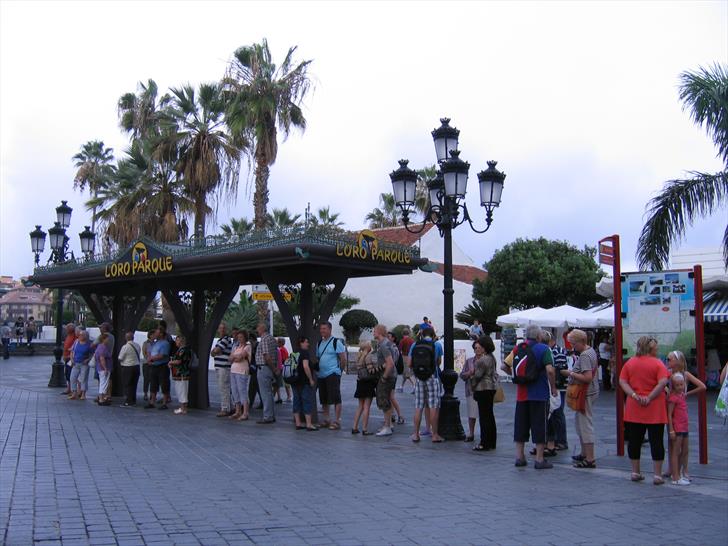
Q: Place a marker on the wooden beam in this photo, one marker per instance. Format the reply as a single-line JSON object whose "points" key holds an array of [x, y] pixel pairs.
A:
{"points": [[273, 281], [97, 307], [327, 306], [181, 314]]}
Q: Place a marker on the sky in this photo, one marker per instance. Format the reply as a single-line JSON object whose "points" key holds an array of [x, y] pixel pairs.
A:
{"points": [[578, 103]]}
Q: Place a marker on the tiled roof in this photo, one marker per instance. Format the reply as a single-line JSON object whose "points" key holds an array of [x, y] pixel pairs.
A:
{"points": [[26, 297], [400, 235], [464, 273]]}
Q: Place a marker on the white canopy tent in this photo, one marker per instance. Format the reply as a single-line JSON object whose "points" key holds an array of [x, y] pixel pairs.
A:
{"points": [[600, 318], [518, 318], [562, 316]]}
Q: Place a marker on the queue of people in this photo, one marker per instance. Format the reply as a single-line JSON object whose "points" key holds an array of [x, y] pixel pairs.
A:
{"points": [[253, 364]]}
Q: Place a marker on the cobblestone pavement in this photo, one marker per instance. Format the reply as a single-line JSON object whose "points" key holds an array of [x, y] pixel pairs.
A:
{"points": [[74, 473]]}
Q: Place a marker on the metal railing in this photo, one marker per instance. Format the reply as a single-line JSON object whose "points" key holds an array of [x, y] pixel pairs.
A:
{"points": [[231, 244]]}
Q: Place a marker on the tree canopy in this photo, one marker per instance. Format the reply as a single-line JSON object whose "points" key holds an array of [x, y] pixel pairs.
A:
{"points": [[531, 272]]}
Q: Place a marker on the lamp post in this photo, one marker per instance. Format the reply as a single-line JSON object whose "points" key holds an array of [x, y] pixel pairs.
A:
{"points": [[447, 210], [59, 254]]}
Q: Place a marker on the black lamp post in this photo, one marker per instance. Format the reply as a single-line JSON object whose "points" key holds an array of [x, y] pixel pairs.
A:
{"points": [[447, 211], [59, 254]]}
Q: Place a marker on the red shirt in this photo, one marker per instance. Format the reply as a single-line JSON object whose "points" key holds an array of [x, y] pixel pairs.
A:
{"points": [[283, 354], [67, 344], [405, 345], [643, 373]]}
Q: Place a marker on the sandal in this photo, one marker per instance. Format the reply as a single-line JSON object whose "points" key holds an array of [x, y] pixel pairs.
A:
{"points": [[326, 424], [300, 427], [478, 448], [415, 438], [243, 418], [355, 431], [469, 438], [549, 452], [400, 420], [335, 426], [366, 433], [636, 477], [312, 428], [657, 480], [585, 464]]}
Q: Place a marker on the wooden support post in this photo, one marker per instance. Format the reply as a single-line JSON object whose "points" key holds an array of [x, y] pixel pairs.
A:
{"points": [[97, 307]]}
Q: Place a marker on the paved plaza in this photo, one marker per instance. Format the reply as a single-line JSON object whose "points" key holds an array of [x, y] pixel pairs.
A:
{"points": [[74, 473]]}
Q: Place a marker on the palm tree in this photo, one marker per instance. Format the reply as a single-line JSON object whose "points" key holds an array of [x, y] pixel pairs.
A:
{"points": [[281, 218], [324, 217], [422, 192], [262, 100], [139, 113], [144, 197], [705, 93], [208, 157], [386, 215], [238, 227], [94, 169]]}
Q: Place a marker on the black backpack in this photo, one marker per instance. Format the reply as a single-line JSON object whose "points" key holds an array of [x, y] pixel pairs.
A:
{"points": [[525, 366], [423, 359]]}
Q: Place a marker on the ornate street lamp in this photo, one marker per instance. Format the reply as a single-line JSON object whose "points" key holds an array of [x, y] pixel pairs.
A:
{"points": [[88, 241], [447, 211], [37, 242], [59, 254]]}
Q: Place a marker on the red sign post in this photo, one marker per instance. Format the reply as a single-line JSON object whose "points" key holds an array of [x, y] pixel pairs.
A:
{"points": [[609, 255], [700, 356]]}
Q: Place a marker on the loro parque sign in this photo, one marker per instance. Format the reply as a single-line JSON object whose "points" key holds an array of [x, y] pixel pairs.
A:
{"points": [[139, 260], [367, 248]]}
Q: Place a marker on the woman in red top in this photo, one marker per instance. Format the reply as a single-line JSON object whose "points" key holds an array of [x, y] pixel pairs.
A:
{"points": [[643, 380]]}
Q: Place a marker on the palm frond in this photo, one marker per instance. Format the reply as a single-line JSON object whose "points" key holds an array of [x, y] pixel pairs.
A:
{"points": [[705, 93], [674, 209]]}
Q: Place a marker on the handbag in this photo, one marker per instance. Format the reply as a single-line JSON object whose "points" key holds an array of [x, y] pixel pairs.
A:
{"points": [[368, 373], [500, 395], [576, 396]]}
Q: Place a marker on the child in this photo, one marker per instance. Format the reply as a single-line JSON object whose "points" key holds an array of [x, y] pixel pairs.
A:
{"points": [[677, 426]]}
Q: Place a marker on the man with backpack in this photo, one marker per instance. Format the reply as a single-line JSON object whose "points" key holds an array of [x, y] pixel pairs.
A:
{"points": [[424, 358], [331, 355], [531, 366]]}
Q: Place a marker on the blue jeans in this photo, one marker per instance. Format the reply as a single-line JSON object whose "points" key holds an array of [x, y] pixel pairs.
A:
{"points": [[556, 430], [303, 398]]}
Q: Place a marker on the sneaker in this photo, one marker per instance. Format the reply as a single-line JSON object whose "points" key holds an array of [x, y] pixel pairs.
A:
{"points": [[681, 481], [520, 462], [386, 431], [542, 465]]}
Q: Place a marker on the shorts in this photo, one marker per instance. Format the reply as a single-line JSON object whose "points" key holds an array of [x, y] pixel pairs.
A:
{"points": [[428, 393], [303, 398], [681, 434], [472, 406], [159, 379], [584, 422], [384, 392], [530, 417], [330, 389]]}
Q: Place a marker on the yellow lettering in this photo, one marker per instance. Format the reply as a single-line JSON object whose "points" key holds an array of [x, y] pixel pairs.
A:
{"points": [[339, 250], [168, 263], [407, 258], [155, 266], [126, 266], [347, 251], [106, 272]]}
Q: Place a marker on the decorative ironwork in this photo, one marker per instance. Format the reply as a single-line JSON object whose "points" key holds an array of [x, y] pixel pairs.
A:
{"points": [[221, 244]]}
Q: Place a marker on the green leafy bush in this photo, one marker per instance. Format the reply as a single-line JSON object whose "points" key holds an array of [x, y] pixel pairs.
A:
{"points": [[354, 321]]}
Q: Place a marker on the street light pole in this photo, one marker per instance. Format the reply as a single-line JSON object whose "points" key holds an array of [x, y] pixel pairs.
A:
{"points": [[447, 211], [59, 254], [58, 376], [449, 424]]}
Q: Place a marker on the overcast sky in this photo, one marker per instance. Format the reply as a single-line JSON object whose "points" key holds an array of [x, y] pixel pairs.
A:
{"points": [[578, 102]]}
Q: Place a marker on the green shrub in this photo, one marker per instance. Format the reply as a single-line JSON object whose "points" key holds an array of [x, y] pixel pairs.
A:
{"points": [[354, 321], [397, 330]]}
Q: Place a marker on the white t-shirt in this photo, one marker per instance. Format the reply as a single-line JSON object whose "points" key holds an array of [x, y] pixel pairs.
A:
{"points": [[604, 351]]}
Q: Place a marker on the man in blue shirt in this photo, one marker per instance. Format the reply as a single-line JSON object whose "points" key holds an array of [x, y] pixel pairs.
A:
{"points": [[159, 360], [331, 355]]}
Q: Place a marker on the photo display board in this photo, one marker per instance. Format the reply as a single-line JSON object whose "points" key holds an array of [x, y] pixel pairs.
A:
{"points": [[659, 304]]}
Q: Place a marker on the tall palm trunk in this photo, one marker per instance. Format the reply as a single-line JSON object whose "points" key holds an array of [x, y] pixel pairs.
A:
{"points": [[260, 199], [260, 208], [200, 215]]}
